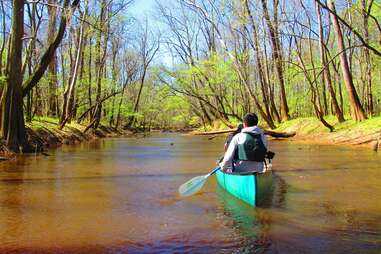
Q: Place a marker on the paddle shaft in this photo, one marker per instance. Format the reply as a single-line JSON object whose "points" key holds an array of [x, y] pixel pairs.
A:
{"points": [[214, 171]]}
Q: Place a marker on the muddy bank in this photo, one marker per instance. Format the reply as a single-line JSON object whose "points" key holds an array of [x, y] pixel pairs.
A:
{"points": [[44, 135]]}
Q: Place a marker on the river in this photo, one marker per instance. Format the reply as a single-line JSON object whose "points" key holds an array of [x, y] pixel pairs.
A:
{"points": [[120, 195]]}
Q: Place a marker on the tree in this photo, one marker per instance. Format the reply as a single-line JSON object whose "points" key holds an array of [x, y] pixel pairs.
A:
{"points": [[52, 68], [367, 76], [148, 47], [12, 115], [68, 104], [357, 110], [326, 77], [277, 54]]}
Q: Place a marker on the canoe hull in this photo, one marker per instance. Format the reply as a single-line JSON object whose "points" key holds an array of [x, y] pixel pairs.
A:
{"points": [[252, 188]]}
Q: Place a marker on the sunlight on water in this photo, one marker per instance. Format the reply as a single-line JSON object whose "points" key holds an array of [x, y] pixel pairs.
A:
{"points": [[120, 195]]}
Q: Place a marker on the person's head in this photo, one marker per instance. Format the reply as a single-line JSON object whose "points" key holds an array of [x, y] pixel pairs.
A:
{"points": [[250, 119], [239, 128]]}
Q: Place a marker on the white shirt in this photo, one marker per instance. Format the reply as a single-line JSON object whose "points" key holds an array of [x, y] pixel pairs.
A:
{"points": [[242, 166]]}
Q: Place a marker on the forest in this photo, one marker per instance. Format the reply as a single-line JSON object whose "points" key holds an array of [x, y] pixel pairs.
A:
{"points": [[201, 61]]}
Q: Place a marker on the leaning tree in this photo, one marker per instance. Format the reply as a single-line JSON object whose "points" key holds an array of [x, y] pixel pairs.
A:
{"points": [[11, 114]]}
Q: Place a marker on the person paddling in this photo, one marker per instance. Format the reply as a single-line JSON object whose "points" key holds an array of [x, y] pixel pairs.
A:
{"points": [[251, 147]]}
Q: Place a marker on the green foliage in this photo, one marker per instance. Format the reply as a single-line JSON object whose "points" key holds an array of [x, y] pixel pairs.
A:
{"points": [[47, 119], [3, 79], [194, 94], [194, 121]]}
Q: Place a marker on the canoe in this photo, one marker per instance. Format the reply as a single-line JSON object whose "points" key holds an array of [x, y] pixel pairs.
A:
{"points": [[252, 187]]}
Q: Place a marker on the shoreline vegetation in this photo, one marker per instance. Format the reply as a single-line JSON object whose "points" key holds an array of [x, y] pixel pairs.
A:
{"points": [[97, 63], [45, 133], [309, 130], [351, 133]]}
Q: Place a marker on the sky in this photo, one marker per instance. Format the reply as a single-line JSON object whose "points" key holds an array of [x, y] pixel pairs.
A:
{"points": [[141, 9]]}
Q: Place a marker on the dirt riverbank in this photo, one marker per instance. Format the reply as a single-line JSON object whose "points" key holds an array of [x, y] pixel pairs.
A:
{"points": [[310, 130], [349, 133], [45, 134]]}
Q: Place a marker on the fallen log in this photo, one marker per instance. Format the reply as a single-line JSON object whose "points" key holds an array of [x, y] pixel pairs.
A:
{"points": [[212, 132], [274, 134]]}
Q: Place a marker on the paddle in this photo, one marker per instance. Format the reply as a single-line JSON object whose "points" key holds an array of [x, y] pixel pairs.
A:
{"points": [[195, 184]]}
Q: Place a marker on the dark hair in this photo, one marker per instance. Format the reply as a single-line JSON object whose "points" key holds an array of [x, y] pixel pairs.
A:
{"points": [[239, 128], [250, 119]]}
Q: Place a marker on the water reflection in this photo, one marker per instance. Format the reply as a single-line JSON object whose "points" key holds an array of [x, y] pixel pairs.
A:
{"points": [[251, 225]]}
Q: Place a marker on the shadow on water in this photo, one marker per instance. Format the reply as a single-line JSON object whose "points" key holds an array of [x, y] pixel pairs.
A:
{"points": [[279, 192]]}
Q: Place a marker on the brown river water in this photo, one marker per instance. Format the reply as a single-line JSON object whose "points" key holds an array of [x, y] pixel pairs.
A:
{"points": [[120, 196]]}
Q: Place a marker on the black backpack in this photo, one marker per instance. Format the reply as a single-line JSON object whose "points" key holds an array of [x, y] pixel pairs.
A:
{"points": [[252, 149]]}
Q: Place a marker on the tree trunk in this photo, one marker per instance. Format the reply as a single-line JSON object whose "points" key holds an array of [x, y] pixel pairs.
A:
{"points": [[52, 68], [68, 110], [90, 79], [357, 111], [264, 84], [131, 120], [28, 108], [33, 80], [99, 65], [315, 101], [4, 39], [115, 50], [326, 73], [274, 109], [119, 111], [64, 85], [368, 63], [277, 56], [12, 115]]}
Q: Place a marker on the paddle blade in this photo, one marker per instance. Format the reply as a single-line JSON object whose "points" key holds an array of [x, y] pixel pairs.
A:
{"points": [[192, 186]]}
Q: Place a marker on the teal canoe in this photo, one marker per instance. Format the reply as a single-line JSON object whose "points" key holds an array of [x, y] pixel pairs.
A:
{"points": [[252, 187]]}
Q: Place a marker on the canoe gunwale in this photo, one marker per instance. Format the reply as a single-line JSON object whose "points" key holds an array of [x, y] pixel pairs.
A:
{"points": [[243, 173]]}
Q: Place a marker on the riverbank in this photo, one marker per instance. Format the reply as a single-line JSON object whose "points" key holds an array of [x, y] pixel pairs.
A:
{"points": [[310, 130], [44, 133]]}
